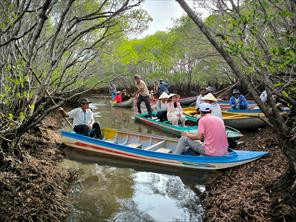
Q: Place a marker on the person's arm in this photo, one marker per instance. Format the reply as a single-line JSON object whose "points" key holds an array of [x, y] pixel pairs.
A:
{"points": [[193, 136], [92, 121], [63, 112], [140, 87]]}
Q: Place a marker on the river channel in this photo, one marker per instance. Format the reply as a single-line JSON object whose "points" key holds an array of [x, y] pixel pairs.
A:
{"points": [[117, 190]]}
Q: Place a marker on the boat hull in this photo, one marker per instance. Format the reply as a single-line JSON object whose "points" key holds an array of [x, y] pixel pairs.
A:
{"points": [[117, 149], [125, 104], [240, 121], [187, 100], [177, 130]]}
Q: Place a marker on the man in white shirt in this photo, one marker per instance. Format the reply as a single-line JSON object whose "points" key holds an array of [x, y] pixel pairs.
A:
{"points": [[202, 93], [83, 120]]}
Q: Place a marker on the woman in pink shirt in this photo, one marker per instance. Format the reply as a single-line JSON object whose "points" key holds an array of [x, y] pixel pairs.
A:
{"points": [[211, 129], [175, 111]]}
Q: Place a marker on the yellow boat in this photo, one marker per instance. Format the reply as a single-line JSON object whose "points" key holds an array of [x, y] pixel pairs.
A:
{"points": [[241, 121]]}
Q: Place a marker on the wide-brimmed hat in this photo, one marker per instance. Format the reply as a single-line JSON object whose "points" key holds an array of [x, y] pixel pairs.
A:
{"points": [[209, 97], [137, 77], [84, 101], [164, 95], [235, 91], [205, 108], [172, 94]]}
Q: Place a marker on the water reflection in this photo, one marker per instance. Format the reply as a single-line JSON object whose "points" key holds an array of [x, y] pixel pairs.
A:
{"points": [[119, 190]]}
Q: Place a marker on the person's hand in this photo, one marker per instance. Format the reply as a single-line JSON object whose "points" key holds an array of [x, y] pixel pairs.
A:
{"points": [[184, 134], [60, 109]]}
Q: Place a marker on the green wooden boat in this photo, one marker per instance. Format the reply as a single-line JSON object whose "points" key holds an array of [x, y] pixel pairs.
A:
{"points": [[191, 126], [125, 104]]}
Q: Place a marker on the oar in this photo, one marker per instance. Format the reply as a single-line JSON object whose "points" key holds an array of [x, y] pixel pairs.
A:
{"points": [[35, 75]]}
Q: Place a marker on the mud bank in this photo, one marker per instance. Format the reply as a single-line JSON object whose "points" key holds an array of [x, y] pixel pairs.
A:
{"points": [[32, 186], [250, 192]]}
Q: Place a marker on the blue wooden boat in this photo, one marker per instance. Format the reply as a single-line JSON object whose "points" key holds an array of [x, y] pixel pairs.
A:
{"points": [[191, 126], [155, 150]]}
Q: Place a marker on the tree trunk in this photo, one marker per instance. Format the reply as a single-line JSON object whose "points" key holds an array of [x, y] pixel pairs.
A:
{"points": [[285, 133]]}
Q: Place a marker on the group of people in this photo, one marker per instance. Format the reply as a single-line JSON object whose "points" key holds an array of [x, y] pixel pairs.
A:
{"points": [[211, 126], [121, 96]]}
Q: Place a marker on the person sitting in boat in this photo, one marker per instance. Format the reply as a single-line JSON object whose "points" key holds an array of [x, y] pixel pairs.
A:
{"points": [[118, 97], [161, 107], [83, 120], [215, 107], [211, 129], [238, 101], [124, 95], [175, 111], [202, 93]]}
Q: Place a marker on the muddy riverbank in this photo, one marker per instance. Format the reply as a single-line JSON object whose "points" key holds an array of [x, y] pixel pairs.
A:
{"points": [[32, 186], [251, 192]]}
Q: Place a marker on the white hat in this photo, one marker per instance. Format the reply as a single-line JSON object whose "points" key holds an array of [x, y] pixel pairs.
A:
{"points": [[205, 108], [210, 97], [164, 95], [236, 91], [172, 94], [209, 89]]}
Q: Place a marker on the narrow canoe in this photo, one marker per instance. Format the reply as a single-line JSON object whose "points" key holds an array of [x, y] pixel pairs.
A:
{"points": [[125, 104], [226, 106], [237, 121], [187, 100], [191, 126], [155, 150]]}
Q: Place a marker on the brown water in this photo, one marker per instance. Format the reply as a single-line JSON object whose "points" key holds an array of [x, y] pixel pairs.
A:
{"points": [[118, 190]]}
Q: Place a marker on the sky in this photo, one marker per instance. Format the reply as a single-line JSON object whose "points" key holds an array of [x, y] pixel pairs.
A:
{"points": [[163, 12]]}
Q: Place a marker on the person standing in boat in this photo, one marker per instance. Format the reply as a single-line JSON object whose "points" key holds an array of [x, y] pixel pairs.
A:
{"points": [[161, 107], [83, 120], [155, 88], [143, 95], [238, 101], [163, 87], [112, 90], [175, 111], [215, 107], [211, 129]]}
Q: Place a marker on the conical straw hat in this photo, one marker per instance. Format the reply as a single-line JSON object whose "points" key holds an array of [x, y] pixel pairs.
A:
{"points": [[210, 97]]}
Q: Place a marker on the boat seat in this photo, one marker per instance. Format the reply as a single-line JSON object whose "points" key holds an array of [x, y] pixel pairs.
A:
{"points": [[164, 150], [155, 146], [134, 145]]}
